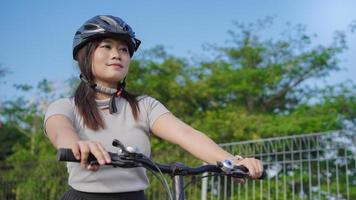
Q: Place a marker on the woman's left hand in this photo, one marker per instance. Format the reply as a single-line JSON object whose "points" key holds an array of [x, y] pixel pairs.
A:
{"points": [[254, 167]]}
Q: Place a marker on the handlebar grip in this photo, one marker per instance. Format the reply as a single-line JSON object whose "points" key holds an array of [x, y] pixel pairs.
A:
{"points": [[263, 176], [64, 154]]}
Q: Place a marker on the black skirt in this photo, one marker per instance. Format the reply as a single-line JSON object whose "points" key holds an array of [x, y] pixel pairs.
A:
{"points": [[73, 194]]}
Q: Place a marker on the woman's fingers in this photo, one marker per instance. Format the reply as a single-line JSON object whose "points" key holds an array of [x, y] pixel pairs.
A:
{"points": [[76, 151], [254, 167], [259, 168], [82, 150], [96, 151], [84, 153], [93, 168], [105, 153]]}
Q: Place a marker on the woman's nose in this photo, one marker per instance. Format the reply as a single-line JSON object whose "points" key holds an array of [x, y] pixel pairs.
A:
{"points": [[115, 54]]}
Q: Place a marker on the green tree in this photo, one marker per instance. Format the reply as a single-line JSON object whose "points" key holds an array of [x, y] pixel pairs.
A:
{"points": [[253, 87], [27, 148]]}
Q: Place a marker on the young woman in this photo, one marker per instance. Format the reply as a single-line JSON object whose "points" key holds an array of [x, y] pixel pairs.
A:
{"points": [[102, 110]]}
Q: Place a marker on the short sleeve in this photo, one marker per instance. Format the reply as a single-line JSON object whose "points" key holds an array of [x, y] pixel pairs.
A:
{"points": [[154, 109], [60, 107]]}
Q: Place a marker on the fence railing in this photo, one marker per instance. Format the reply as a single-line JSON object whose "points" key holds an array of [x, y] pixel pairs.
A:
{"points": [[312, 166]]}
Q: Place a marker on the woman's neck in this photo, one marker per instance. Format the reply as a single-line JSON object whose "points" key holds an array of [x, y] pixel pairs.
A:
{"points": [[101, 96]]}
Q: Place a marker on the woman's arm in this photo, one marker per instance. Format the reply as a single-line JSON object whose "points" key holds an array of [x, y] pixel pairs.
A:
{"points": [[170, 128], [62, 134]]}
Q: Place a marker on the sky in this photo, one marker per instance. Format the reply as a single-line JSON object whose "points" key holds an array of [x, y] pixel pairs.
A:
{"points": [[36, 36]]}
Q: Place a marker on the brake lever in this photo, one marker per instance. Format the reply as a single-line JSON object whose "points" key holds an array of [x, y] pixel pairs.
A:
{"points": [[242, 168], [119, 145], [123, 161], [126, 156], [240, 171]]}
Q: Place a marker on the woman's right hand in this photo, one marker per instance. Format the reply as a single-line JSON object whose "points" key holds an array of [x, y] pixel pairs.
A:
{"points": [[81, 150]]}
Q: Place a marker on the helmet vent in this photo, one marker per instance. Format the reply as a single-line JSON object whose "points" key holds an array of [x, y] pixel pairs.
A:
{"points": [[106, 22], [91, 27], [109, 21]]}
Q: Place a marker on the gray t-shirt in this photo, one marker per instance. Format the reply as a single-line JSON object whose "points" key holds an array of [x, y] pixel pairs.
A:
{"points": [[121, 126]]}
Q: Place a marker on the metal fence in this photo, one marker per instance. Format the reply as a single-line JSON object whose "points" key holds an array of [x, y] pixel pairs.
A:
{"points": [[312, 166]]}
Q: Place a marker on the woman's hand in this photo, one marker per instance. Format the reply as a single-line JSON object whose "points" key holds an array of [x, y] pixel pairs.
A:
{"points": [[253, 165], [82, 149]]}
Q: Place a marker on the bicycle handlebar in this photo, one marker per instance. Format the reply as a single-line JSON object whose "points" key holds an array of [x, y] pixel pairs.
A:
{"points": [[132, 159]]}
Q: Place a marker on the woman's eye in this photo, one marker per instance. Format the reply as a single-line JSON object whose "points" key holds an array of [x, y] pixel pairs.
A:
{"points": [[124, 50], [106, 46]]}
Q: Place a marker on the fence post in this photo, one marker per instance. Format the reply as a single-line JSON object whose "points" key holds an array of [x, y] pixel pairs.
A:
{"points": [[204, 189]]}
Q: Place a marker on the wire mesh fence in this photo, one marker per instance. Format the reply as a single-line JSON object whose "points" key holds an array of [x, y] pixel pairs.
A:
{"points": [[313, 166]]}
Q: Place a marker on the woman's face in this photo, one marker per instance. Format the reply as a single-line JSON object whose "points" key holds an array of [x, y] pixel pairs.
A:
{"points": [[111, 60]]}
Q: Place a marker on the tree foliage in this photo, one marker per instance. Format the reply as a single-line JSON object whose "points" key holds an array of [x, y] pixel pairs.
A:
{"points": [[254, 87]]}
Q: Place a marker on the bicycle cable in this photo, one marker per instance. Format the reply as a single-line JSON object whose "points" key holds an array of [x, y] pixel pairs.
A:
{"points": [[162, 182], [163, 179], [192, 181]]}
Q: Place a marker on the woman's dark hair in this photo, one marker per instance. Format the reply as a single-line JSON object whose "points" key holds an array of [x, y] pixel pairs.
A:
{"points": [[84, 96]]}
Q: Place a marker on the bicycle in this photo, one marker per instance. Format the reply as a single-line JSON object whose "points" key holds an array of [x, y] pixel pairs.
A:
{"points": [[129, 157]]}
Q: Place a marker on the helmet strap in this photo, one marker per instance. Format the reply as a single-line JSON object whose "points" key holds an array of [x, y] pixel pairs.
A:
{"points": [[106, 90]]}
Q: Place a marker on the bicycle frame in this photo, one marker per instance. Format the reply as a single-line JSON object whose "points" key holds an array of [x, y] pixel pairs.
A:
{"points": [[178, 187]]}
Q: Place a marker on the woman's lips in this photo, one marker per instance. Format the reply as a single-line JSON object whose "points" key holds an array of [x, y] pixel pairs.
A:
{"points": [[116, 66]]}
